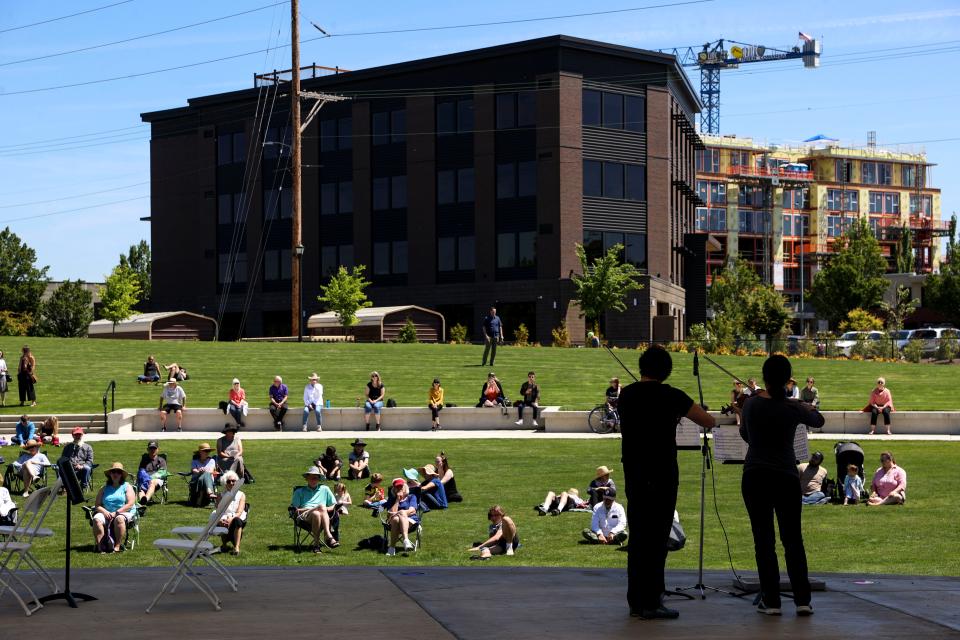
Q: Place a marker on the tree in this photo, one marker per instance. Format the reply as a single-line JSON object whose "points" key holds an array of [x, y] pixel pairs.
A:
{"points": [[344, 294], [941, 292], [903, 250], [903, 305], [767, 312], [861, 320], [853, 277], [119, 295], [742, 304], [604, 284], [138, 259], [68, 312], [21, 283], [729, 293]]}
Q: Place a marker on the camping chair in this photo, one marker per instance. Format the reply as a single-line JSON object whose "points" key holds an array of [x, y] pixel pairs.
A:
{"points": [[14, 481], [185, 552], [20, 541], [188, 476], [90, 486], [416, 533], [131, 536], [302, 531]]}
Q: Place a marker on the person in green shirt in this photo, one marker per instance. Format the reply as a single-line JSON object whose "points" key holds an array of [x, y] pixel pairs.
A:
{"points": [[315, 507]]}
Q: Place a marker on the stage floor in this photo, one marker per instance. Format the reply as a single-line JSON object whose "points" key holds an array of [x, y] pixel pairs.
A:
{"points": [[483, 602]]}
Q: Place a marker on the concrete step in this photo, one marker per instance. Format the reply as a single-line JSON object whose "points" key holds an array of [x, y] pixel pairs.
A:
{"points": [[91, 423]]}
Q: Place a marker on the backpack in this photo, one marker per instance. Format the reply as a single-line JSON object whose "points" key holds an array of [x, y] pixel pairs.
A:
{"points": [[391, 403]]}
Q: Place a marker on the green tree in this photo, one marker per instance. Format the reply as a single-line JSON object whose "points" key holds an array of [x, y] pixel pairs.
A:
{"points": [[138, 259], [730, 291], [904, 304], [67, 312], [853, 276], [21, 283], [903, 251], [345, 295], [603, 284], [767, 312], [861, 320], [941, 292], [119, 295]]}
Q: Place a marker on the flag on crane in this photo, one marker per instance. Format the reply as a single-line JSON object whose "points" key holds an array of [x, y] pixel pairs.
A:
{"points": [[805, 37]]}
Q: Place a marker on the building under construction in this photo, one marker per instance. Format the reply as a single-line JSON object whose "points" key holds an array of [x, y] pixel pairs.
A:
{"points": [[782, 208]]}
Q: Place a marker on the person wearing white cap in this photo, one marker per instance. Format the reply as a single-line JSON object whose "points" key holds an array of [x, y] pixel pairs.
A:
{"points": [[173, 398], [237, 405], [312, 401], [30, 464]]}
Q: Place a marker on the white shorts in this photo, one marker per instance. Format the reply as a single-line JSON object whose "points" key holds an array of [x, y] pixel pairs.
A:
{"points": [[102, 519]]}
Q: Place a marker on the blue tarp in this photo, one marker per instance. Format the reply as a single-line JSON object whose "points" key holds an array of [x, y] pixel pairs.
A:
{"points": [[821, 136]]}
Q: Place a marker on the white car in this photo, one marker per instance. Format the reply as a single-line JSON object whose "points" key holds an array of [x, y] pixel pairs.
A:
{"points": [[931, 337], [845, 342], [902, 337]]}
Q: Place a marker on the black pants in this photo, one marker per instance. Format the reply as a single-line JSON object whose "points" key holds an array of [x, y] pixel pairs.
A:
{"points": [[278, 413], [524, 403], [874, 412], [489, 348], [25, 387], [435, 411], [651, 500], [765, 493]]}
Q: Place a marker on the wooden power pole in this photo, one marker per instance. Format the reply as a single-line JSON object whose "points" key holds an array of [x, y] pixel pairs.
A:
{"points": [[295, 170]]}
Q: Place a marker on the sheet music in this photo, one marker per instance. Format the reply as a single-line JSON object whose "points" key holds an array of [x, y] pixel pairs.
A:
{"points": [[688, 434], [801, 445], [728, 446]]}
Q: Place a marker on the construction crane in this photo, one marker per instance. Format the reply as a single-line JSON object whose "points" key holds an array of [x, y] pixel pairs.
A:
{"points": [[713, 57]]}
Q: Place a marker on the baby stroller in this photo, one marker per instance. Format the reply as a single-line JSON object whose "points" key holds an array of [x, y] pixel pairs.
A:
{"points": [[847, 453]]}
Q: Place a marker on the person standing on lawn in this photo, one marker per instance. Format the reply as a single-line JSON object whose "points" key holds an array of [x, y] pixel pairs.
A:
{"points": [[492, 336], [649, 413], [27, 377]]}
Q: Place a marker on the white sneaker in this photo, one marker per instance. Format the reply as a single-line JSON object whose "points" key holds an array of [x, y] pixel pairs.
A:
{"points": [[518, 423], [509, 549], [304, 428], [391, 551], [407, 545], [535, 425], [804, 610], [26, 494], [319, 428]]}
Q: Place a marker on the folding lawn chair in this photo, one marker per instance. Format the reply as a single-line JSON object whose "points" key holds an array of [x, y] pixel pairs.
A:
{"points": [[14, 481], [185, 552], [190, 533], [302, 530], [131, 536], [415, 532]]}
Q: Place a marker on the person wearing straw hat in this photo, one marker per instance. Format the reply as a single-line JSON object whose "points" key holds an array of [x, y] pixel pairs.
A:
{"points": [[312, 401], [30, 464], [359, 460], [151, 472], [202, 470], [172, 399], [230, 450], [601, 483], [431, 490], [555, 504], [316, 506], [116, 508], [80, 456]]}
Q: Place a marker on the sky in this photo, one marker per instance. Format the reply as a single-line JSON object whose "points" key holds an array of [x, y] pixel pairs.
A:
{"points": [[75, 161]]}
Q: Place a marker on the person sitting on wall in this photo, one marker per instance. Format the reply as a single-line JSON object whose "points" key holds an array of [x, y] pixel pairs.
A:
{"points": [[279, 394], [810, 394], [25, 431], [492, 393], [172, 399], [529, 397]]}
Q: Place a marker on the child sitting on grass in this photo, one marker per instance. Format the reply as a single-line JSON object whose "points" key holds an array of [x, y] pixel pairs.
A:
{"points": [[373, 495], [852, 485], [343, 497]]}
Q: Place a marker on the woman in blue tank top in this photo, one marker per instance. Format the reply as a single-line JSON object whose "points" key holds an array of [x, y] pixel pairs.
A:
{"points": [[114, 511]]}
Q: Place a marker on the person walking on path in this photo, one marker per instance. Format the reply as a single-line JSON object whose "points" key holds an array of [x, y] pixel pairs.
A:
{"points": [[649, 413], [492, 336], [771, 485], [27, 377]]}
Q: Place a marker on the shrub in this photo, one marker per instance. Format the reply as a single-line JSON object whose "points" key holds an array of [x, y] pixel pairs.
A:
{"points": [[15, 324], [861, 320], [407, 333], [458, 334], [521, 336], [913, 351], [697, 338], [807, 347], [870, 349], [947, 349], [561, 337], [829, 343]]}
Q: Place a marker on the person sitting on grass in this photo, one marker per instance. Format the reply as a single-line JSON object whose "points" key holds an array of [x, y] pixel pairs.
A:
{"points": [[446, 477], [50, 431], [172, 399], [435, 403], [25, 431], [152, 472], [529, 397], [30, 464], [343, 498], [431, 491], [402, 516], [600, 484], [812, 475], [175, 371], [492, 393], [889, 484], [315, 507], [503, 539], [234, 519], [609, 524], [329, 463], [151, 371], [359, 460], [202, 471], [852, 485], [556, 504], [115, 510], [230, 450], [373, 495]]}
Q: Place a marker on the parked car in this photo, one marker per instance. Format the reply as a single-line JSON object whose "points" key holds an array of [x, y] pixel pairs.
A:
{"points": [[845, 342], [902, 337], [931, 337]]}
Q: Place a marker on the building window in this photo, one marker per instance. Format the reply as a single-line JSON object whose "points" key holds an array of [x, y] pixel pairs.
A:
{"points": [[796, 198], [750, 196], [336, 197], [754, 221], [328, 135], [707, 160], [277, 139], [740, 158], [884, 202], [516, 249], [843, 171], [526, 178], [614, 180], [796, 225], [455, 254], [836, 225], [345, 133], [454, 116], [465, 185], [612, 110], [516, 179], [913, 176], [465, 115], [390, 257], [634, 246], [332, 257], [711, 219], [840, 200], [455, 185], [506, 180], [591, 109], [389, 126], [276, 264], [921, 205], [231, 148], [277, 204], [516, 110], [235, 272], [877, 173], [592, 178], [718, 193], [389, 193], [228, 208]]}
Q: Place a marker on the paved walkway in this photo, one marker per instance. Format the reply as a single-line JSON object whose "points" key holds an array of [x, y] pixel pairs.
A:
{"points": [[488, 601]]}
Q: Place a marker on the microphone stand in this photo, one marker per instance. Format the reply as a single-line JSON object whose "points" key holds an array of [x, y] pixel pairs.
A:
{"points": [[70, 596]]}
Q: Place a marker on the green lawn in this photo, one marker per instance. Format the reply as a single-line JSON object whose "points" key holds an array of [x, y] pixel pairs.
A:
{"points": [[74, 372], [919, 538]]}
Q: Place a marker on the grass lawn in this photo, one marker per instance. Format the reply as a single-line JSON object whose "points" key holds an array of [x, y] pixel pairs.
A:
{"points": [[919, 538], [74, 372]]}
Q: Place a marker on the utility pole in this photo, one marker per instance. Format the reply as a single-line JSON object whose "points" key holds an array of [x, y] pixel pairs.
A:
{"points": [[295, 168]]}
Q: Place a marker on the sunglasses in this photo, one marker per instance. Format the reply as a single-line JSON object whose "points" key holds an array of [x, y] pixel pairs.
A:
{"points": [[231, 482]]}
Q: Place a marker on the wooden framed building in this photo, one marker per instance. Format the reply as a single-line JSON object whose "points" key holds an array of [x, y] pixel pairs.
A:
{"points": [[381, 324], [166, 325]]}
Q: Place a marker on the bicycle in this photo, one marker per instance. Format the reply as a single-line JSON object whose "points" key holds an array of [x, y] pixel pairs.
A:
{"points": [[603, 419]]}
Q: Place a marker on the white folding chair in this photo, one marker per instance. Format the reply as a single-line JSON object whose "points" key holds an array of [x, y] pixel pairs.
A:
{"points": [[19, 542], [190, 533], [184, 552]]}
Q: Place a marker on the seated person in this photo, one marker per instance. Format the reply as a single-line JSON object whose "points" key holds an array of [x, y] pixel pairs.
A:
{"points": [[373, 403], [881, 402], [447, 478], [401, 508], [315, 508], [503, 538], [852, 485], [152, 472], [230, 450], [812, 476], [373, 495], [343, 498], [175, 371], [151, 371], [329, 463], [793, 392], [613, 394], [359, 460], [601, 483], [234, 519], [313, 401], [203, 470], [431, 491], [279, 397], [810, 394], [172, 399], [237, 404], [25, 431], [50, 431], [8, 508], [609, 524], [556, 504], [80, 455], [529, 397], [30, 464], [492, 393], [889, 484], [435, 404], [115, 509]]}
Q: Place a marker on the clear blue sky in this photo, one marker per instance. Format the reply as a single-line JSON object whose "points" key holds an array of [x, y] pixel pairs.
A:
{"points": [[904, 98]]}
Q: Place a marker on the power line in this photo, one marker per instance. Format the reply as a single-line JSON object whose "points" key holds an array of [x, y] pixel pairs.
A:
{"points": [[80, 135], [57, 213], [141, 37], [72, 15], [74, 196]]}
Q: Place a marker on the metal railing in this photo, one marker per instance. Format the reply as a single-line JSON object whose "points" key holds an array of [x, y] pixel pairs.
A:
{"points": [[111, 391]]}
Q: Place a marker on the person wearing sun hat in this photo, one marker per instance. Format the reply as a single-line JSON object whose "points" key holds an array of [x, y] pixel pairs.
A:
{"points": [[80, 456], [202, 470], [115, 509], [230, 450], [30, 464], [359, 460], [401, 507], [316, 508], [312, 401], [172, 399], [431, 490], [601, 483]]}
